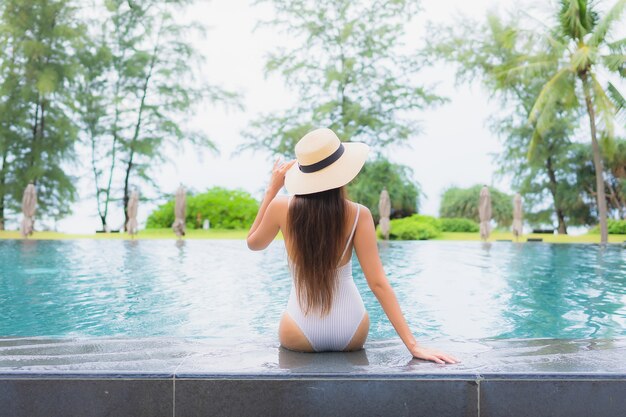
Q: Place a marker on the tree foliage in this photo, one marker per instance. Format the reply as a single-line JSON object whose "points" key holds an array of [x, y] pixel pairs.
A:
{"points": [[463, 203], [140, 87], [404, 191], [614, 160], [550, 76], [348, 72], [119, 76], [570, 57], [39, 40]]}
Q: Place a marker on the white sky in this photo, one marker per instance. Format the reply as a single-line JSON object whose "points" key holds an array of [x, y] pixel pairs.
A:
{"points": [[455, 148]]}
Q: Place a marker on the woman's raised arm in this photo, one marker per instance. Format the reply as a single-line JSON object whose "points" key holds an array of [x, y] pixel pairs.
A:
{"points": [[266, 225], [367, 252]]}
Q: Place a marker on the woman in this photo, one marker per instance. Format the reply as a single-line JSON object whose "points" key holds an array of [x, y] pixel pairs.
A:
{"points": [[325, 311]]}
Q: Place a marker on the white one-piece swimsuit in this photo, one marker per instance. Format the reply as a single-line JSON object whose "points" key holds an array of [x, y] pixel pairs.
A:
{"points": [[334, 331]]}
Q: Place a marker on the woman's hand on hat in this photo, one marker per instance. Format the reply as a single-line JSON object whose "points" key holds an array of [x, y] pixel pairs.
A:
{"points": [[277, 181], [433, 355]]}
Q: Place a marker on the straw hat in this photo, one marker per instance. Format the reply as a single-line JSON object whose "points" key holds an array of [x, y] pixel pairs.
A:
{"points": [[324, 163]]}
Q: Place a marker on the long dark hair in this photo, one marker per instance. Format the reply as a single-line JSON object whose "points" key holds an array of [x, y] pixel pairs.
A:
{"points": [[316, 226]]}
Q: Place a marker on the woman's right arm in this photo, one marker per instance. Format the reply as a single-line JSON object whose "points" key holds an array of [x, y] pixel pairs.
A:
{"points": [[367, 251], [265, 226]]}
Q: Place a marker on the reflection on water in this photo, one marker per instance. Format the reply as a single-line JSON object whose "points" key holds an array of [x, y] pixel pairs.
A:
{"points": [[577, 289], [221, 290]]}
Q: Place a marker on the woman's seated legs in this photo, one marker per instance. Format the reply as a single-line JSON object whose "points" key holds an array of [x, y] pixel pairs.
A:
{"points": [[291, 336]]}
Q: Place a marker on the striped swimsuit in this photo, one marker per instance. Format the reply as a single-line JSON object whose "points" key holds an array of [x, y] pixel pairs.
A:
{"points": [[334, 331]]}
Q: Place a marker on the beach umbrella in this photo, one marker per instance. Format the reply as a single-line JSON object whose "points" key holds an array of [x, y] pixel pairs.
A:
{"points": [[133, 203], [484, 212], [29, 204], [384, 211], [179, 212], [517, 216]]}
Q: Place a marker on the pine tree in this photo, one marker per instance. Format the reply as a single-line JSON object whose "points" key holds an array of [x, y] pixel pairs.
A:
{"points": [[348, 71], [140, 90], [42, 37]]}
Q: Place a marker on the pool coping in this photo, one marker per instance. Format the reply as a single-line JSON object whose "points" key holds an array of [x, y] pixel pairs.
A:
{"points": [[560, 376], [172, 377], [155, 395]]}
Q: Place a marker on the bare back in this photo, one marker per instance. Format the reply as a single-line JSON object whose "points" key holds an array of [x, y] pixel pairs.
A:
{"points": [[283, 206]]}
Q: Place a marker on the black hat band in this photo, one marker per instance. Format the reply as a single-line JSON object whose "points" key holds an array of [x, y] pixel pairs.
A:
{"points": [[307, 169]]}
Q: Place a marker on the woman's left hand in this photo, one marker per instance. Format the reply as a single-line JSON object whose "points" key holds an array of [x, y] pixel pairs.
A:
{"points": [[433, 355], [277, 181]]}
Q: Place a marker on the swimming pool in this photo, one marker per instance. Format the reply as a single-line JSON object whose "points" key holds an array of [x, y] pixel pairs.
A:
{"points": [[222, 291]]}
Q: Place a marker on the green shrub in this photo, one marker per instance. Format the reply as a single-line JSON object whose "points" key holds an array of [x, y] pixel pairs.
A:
{"points": [[404, 191], [162, 216], [225, 209], [458, 225], [415, 227], [434, 222], [413, 231], [615, 227]]}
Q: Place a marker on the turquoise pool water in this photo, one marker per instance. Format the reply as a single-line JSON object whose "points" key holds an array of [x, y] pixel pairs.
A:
{"points": [[220, 290]]}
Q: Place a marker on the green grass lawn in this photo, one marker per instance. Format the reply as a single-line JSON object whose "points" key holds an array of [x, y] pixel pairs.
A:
{"points": [[588, 238], [241, 234], [142, 235]]}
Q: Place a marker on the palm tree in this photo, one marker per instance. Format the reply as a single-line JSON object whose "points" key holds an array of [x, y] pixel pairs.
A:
{"points": [[497, 54], [578, 48]]}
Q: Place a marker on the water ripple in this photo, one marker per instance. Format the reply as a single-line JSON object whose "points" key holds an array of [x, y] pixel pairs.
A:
{"points": [[221, 290]]}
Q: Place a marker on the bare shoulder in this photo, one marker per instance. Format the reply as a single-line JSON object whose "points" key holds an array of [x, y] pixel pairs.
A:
{"points": [[280, 201], [365, 230], [277, 208], [364, 212]]}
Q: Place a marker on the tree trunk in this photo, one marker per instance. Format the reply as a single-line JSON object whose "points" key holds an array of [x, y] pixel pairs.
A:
{"points": [[115, 132], [342, 94], [101, 213], [613, 198], [95, 175], [33, 147], [597, 161], [553, 190], [3, 179], [142, 104], [615, 195], [42, 131], [129, 167], [561, 218], [103, 207]]}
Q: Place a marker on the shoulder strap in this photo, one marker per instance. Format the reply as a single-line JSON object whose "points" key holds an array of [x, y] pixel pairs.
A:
{"points": [[356, 219]]}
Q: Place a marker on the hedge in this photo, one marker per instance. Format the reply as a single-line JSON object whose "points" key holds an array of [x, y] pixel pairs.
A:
{"points": [[415, 227], [458, 225], [225, 209], [615, 227]]}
